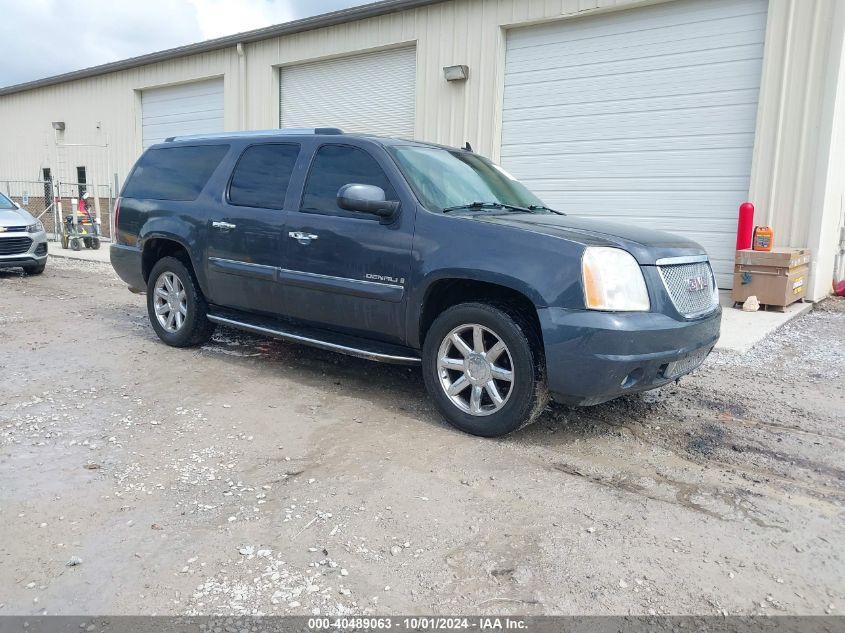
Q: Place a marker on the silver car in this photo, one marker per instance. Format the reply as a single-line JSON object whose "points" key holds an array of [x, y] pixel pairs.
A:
{"points": [[23, 242]]}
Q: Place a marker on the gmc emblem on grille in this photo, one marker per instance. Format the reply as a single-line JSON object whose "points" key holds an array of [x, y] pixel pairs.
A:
{"points": [[697, 284]]}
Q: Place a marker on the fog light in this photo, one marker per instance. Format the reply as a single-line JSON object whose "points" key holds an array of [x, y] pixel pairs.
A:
{"points": [[633, 378]]}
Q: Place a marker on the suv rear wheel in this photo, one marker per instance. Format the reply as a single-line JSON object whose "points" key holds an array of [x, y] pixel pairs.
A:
{"points": [[176, 306], [483, 369]]}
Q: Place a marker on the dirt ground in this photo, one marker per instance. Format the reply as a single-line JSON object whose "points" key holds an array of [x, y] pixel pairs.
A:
{"points": [[253, 476]]}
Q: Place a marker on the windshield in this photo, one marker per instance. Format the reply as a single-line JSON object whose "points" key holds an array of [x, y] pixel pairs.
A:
{"points": [[5, 203], [451, 179]]}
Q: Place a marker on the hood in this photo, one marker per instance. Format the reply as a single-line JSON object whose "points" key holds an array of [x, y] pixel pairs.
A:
{"points": [[15, 217], [646, 245]]}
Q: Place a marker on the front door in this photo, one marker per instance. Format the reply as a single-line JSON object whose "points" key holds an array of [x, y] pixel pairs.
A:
{"points": [[246, 232], [343, 270]]}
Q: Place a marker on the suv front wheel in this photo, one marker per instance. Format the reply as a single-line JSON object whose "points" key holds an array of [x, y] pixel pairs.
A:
{"points": [[483, 369], [176, 306]]}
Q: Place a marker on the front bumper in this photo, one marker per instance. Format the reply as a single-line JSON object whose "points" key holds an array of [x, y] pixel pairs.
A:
{"points": [[593, 357], [14, 252]]}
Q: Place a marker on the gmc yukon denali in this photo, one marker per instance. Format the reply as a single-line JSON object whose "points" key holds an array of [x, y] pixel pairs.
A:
{"points": [[410, 253]]}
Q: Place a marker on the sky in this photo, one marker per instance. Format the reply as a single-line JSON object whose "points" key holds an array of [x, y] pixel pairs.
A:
{"points": [[41, 38]]}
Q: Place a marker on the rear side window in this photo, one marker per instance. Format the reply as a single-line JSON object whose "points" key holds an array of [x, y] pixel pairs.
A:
{"points": [[262, 175], [338, 165], [174, 173]]}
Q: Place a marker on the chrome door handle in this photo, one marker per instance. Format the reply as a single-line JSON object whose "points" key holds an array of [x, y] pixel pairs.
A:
{"points": [[303, 238], [224, 226]]}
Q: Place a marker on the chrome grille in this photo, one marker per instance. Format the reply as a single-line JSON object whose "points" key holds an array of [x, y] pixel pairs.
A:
{"points": [[690, 286], [14, 245]]}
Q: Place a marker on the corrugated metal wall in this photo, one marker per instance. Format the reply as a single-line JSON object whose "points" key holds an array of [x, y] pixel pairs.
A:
{"points": [[796, 183], [802, 55], [102, 117]]}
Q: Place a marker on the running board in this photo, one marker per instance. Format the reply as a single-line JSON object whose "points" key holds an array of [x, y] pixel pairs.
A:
{"points": [[322, 339]]}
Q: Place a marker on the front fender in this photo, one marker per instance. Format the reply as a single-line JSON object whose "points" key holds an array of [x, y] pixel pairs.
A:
{"points": [[545, 269], [421, 292]]}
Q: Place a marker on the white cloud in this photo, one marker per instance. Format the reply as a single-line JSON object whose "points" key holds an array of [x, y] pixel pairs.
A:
{"points": [[40, 38], [224, 17]]}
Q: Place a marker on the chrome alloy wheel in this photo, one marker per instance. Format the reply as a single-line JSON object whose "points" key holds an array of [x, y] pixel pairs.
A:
{"points": [[170, 302], [475, 369]]}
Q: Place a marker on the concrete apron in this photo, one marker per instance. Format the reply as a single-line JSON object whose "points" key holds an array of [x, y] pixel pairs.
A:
{"points": [[86, 254], [743, 330]]}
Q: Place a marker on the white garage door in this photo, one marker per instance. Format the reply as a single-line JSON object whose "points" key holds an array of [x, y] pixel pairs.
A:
{"points": [[644, 116], [194, 108], [371, 93]]}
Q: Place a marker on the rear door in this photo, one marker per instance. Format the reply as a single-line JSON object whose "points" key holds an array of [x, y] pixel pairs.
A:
{"points": [[246, 231], [343, 270]]}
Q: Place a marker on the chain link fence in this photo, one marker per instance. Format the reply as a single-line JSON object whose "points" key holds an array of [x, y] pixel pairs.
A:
{"points": [[51, 202]]}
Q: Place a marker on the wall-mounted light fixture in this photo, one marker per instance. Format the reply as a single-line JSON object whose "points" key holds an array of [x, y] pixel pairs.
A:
{"points": [[59, 126], [456, 73]]}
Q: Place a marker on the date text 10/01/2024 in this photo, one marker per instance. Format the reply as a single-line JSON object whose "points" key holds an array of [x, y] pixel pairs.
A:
{"points": [[418, 623]]}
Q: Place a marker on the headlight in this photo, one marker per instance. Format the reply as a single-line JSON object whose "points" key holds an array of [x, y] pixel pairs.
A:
{"points": [[613, 281], [35, 228]]}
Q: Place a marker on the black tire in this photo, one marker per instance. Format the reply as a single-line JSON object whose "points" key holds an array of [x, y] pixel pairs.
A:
{"points": [[527, 396], [95, 244], [75, 244], [87, 242], [196, 329], [35, 269]]}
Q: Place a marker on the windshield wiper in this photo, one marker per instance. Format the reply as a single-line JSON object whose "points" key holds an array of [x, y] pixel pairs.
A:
{"points": [[539, 207], [488, 205]]}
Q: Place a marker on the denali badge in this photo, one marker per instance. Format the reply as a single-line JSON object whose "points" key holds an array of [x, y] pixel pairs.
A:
{"points": [[697, 284], [390, 280]]}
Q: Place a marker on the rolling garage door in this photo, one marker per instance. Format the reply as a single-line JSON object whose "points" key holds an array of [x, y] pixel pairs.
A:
{"points": [[644, 116], [194, 108], [370, 93]]}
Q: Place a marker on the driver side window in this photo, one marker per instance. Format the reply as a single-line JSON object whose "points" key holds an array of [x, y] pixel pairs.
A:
{"points": [[335, 166]]}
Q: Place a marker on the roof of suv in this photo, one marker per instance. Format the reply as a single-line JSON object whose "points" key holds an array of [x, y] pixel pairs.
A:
{"points": [[293, 132]]}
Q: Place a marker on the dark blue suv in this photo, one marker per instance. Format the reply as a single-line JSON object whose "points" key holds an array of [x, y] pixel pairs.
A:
{"points": [[412, 253]]}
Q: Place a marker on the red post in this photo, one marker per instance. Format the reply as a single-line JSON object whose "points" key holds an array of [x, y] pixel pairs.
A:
{"points": [[745, 226]]}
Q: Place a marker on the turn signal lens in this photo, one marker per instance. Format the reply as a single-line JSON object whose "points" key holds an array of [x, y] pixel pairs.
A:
{"points": [[613, 281]]}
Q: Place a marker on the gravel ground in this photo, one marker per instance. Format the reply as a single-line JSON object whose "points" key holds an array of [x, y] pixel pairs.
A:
{"points": [[252, 476]]}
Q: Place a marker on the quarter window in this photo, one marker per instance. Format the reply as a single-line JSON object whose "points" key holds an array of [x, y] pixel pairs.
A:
{"points": [[262, 176], [174, 173], [335, 166]]}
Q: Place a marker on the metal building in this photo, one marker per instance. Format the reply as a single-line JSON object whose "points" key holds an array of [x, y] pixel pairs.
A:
{"points": [[667, 114]]}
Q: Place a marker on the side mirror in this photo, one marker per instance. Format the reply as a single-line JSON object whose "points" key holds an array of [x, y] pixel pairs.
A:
{"points": [[366, 199]]}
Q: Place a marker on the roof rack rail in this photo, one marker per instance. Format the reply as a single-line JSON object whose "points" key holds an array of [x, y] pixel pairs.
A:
{"points": [[252, 133]]}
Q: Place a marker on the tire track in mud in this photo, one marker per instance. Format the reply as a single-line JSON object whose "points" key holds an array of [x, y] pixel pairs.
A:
{"points": [[679, 493], [702, 450], [695, 444], [735, 412]]}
